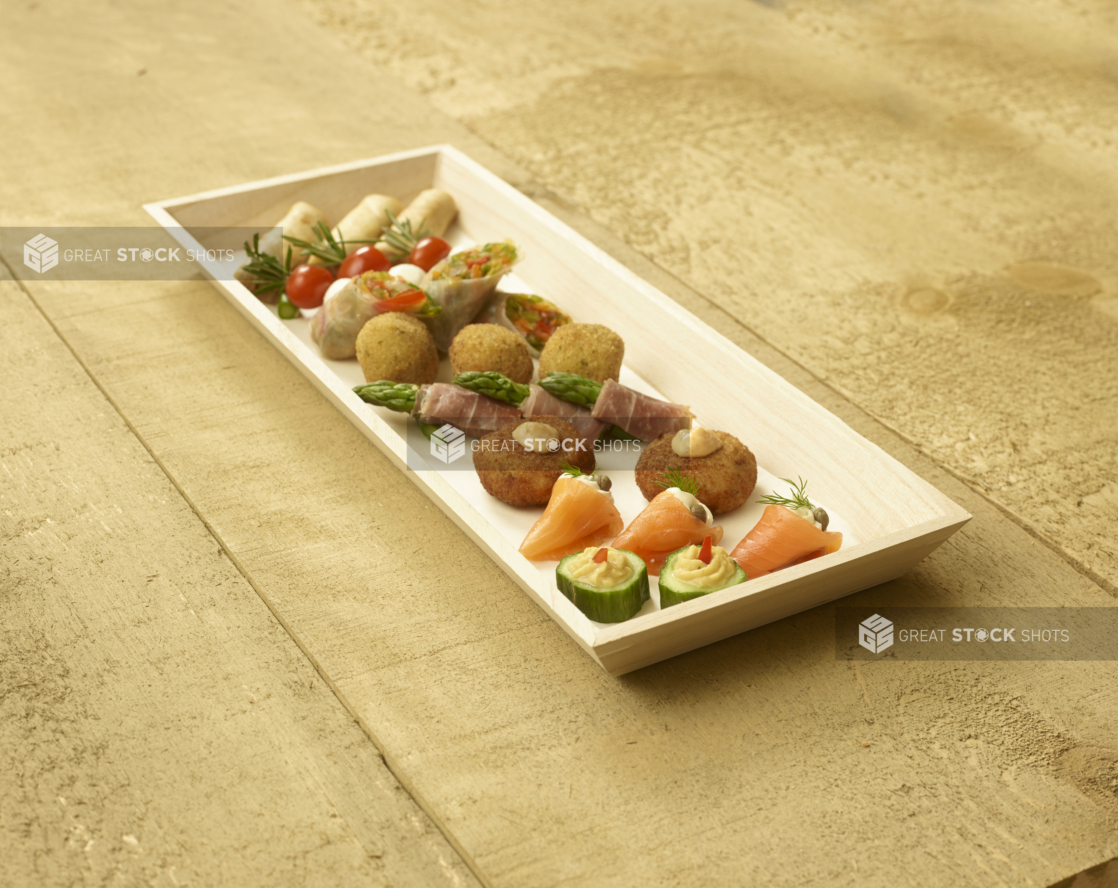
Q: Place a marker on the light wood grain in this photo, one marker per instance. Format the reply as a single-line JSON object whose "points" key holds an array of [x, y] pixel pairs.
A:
{"points": [[156, 724], [744, 762]]}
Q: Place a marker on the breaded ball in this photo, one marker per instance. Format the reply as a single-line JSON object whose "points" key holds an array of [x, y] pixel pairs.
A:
{"points": [[487, 347], [726, 477], [522, 477], [399, 348], [589, 350]]}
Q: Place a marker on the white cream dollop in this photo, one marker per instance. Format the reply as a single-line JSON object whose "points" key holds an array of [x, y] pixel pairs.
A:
{"points": [[589, 481], [695, 442], [537, 437], [808, 514], [690, 500]]}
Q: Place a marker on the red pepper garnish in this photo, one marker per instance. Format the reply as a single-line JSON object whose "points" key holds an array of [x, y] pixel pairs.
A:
{"points": [[404, 301], [704, 552], [601, 555]]}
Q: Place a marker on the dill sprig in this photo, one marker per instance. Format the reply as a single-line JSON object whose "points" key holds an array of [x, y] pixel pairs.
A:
{"points": [[401, 236], [574, 471], [673, 477], [326, 248], [798, 500], [270, 273]]}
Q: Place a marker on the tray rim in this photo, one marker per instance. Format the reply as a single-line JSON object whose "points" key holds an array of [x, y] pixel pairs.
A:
{"points": [[610, 646]]}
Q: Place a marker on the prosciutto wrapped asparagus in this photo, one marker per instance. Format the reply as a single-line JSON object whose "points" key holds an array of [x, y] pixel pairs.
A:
{"points": [[474, 414]]}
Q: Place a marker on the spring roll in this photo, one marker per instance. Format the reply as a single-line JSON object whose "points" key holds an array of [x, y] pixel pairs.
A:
{"points": [[367, 220], [299, 222], [434, 210]]}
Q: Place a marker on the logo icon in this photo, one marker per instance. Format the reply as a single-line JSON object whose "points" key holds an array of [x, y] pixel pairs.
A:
{"points": [[875, 634], [147, 254], [40, 253], [448, 443]]}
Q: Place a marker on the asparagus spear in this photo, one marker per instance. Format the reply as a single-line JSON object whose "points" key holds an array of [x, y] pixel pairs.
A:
{"points": [[398, 396], [572, 388], [493, 385]]}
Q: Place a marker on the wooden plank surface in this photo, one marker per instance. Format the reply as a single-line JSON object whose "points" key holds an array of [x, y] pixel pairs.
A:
{"points": [[760, 758], [157, 725]]}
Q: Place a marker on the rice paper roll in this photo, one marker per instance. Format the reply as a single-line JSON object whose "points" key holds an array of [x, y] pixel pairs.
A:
{"points": [[335, 326], [462, 286], [429, 215], [532, 318], [367, 220]]}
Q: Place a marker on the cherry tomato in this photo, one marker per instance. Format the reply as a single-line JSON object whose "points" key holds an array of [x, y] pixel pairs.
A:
{"points": [[307, 285], [429, 252], [363, 259]]}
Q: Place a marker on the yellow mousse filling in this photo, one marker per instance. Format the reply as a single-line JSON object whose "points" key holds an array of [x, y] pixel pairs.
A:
{"points": [[613, 570], [689, 569]]}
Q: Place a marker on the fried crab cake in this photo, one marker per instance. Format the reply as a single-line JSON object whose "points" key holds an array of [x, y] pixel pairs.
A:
{"points": [[521, 462], [725, 477]]}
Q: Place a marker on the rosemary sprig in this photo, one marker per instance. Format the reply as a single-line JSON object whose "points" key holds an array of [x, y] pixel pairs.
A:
{"points": [[326, 248], [798, 500], [673, 477], [270, 273], [401, 236]]}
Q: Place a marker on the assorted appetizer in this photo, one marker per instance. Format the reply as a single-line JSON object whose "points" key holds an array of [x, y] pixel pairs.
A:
{"points": [[462, 285], [259, 275], [520, 463], [791, 530], [580, 513], [397, 347], [675, 518], [335, 327], [474, 414], [640, 415], [532, 318], [719, 464], [366, 222], [426, 218], [607, 584], [589, 350], [540, 402], [694, 571], [390, 291], [631, 413], [486, 347]]}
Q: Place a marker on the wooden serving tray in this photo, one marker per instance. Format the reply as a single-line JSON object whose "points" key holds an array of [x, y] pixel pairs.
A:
{"points": [[891, 517]]}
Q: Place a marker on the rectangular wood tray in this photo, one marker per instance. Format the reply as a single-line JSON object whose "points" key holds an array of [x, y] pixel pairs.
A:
{"points": [[892, 516]]}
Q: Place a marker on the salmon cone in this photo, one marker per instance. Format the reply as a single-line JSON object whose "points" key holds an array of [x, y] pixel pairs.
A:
{"points": [[578, 515], [782, 538], [665, 525]]}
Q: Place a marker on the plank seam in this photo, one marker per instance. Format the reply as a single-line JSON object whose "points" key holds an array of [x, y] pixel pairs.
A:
{"points": [[389, 762]]}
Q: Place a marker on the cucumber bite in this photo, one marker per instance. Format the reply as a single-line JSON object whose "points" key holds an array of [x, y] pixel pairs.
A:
{"points": [[608, 585]]}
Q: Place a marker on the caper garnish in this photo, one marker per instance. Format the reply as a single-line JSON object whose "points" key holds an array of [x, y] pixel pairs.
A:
{"points": [[821, 516], [604, 483], [700, 512]]}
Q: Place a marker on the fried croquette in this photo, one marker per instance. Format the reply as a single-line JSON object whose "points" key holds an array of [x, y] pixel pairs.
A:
{"points": [[522, 477], [589, 350], [726, 477], [397, 347], [486, 347]]}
